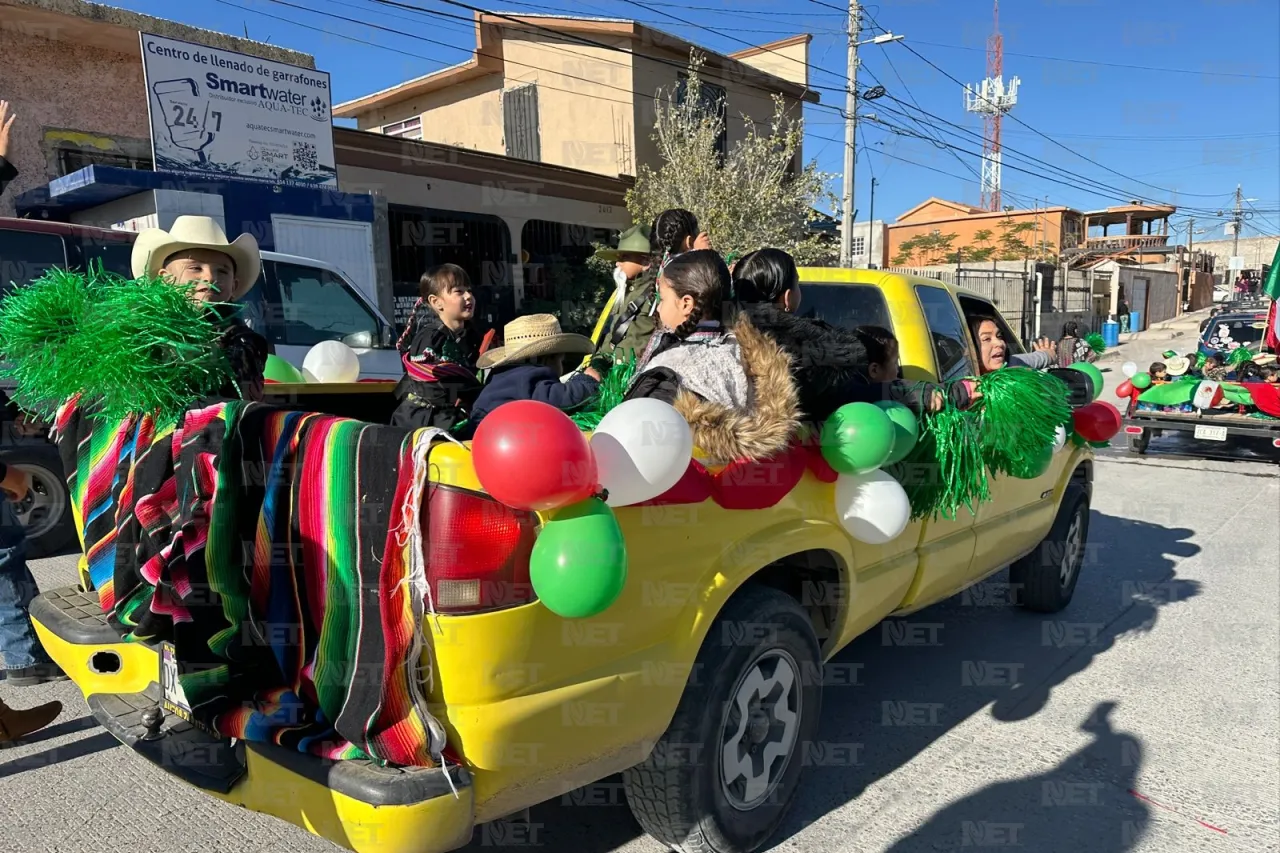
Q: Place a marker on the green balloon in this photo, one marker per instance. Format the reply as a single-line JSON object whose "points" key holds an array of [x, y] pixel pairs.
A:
{"points": [[279, 370], [906, 429], [1140, 380], [579, 562], [857, 438], [1094, 374]]}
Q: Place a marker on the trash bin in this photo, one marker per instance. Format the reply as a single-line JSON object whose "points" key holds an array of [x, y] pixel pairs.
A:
{"points": [[1135, 321], [1111, 333]]}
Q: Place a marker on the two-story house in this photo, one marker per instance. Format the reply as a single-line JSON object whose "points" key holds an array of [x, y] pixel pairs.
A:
{"points": [[580, 92]]}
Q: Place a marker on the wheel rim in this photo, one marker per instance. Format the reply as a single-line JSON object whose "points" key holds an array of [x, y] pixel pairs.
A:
{"points": [[1072, 550], [40, 511], [759, 729]]}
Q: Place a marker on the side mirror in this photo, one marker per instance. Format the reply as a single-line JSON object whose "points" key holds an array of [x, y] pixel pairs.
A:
{"points": [[388, 339], [359, 340]]}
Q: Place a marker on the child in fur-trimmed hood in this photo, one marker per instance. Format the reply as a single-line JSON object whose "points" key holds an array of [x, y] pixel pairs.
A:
{"points": [[730, 381]]}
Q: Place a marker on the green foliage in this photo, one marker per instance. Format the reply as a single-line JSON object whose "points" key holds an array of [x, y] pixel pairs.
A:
{"points": [[755, 196], [925, 249]]}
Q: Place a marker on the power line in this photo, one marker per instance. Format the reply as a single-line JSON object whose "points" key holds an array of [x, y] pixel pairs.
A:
{"points": [[935, 67], [1110, 64]]}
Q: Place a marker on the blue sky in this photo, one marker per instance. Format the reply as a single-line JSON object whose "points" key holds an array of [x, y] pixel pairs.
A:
{"points": [[1196, 111]]}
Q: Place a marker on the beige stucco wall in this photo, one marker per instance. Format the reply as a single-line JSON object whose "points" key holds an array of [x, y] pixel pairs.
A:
{"points": [[584, 99], [466, 114], [744, 99], [55, 86], [789, 63]]}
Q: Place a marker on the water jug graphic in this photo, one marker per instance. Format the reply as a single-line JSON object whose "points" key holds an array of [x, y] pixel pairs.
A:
{"points": [[185, 113]]}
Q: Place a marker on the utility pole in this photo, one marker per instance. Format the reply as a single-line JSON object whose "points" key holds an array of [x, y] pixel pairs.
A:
{"points": [[1239, 220], [871, 217], [850, 135]]}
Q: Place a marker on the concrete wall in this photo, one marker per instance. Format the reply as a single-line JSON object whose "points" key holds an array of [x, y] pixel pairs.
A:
{"points": [[790, 62], [466, 114], [1256, 251], [1048, 226]]}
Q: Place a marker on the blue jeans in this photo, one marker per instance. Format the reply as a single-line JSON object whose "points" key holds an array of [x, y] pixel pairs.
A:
{"points": [[18, 641]]}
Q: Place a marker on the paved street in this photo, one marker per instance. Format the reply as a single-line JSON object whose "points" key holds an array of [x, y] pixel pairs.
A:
{"points": [[1145, 718]]}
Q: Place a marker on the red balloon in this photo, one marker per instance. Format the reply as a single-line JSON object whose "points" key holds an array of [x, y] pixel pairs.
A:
{"points": [[1098, 421], [761, 484], [529, 455], [1125, 389]]}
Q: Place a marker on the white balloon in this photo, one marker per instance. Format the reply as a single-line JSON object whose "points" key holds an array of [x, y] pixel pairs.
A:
{"points": [[332, 362], [1059, 438], [642, 448], [1129, 368], [873, 507]]}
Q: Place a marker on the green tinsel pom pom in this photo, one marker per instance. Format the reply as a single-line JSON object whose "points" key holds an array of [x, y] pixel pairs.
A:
{"points": [[1201, 358], [40, 338], [1021, 412], [1096, 343], [128, 347], [945, 470], [612, 391], [1239, 356]]}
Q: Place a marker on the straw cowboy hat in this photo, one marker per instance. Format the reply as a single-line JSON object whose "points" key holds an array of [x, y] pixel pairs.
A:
{"points": [[1177, 366], [633, 241], [154, 246], [1264, 358], [529, 337]]}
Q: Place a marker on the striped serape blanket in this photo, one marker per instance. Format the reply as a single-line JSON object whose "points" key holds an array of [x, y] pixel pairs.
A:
{"points": [[279, 552]]}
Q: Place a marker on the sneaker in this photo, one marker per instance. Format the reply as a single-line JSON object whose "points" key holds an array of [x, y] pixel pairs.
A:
{"points": [[37, 673]]}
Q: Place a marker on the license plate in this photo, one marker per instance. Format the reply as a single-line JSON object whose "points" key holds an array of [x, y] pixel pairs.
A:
{"points": [[1212, 433], [175, 701]]}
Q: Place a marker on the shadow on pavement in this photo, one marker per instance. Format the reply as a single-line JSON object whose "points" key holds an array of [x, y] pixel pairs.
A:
{"points": [[1084, 803], [977, 650], [100, 742]]}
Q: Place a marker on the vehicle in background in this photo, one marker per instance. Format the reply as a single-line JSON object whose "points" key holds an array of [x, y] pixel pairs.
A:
{"points": [[1229, 330], [297, 303]]}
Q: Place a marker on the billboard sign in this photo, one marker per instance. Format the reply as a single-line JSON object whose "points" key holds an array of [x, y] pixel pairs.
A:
{"points": [[218, 113]]}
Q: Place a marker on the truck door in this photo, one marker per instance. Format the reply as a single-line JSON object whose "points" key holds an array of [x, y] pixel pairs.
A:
{"points": [[935, 347], [1020, 512]]}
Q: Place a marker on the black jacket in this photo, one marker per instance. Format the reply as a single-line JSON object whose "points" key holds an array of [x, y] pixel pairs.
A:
{"points": [[7, 173], [825, 359], [441, 401], [529, 382]]}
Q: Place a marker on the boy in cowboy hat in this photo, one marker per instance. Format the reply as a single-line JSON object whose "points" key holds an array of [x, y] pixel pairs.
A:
{"points": [[196, 251], [528, 366]]}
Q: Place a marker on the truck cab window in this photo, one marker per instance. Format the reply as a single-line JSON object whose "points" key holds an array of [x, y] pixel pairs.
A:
{"points": [[951, 347], [845, 306], [116, 257], [316, 305], [26, 255]]}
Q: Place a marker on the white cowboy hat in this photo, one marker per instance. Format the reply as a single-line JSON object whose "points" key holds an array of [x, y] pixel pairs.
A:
{"points": [[1177, 366], [529, 337], [154, 246], [1264, 358]]}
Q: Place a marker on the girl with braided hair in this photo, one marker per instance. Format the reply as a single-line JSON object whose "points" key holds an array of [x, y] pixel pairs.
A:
{"points": [[673, 232], [729, 380]]}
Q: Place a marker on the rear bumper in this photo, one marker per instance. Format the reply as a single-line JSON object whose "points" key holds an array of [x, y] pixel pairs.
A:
{"points": [[355, 804], [1265, 429]]}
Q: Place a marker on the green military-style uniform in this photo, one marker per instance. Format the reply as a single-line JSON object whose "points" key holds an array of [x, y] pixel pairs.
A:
{"points": [[636, 318]]}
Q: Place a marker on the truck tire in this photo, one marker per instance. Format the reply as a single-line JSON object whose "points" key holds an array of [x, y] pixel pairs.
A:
{"points": [[1046, 578], [755, 689], [1138, 443], [46, 511]]}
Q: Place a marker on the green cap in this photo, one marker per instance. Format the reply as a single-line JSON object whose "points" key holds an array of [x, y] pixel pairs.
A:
{"points": [[635, 241]]}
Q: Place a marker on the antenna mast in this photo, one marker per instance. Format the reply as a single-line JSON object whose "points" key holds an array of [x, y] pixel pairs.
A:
{"points": [[991, 100]]}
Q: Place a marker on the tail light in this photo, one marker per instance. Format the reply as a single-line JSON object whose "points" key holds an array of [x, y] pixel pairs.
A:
{"points": [[1275, 442], [1133, 430], [477, 552]]}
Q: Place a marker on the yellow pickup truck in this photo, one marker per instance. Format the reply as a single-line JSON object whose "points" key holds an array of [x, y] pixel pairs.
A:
{"points": [[702, 684]]}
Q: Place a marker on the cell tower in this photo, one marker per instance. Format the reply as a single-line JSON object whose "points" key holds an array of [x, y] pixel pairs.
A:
{"points": [[992, 101]]}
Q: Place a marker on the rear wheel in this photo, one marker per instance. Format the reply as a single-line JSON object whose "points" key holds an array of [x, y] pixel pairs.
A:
{"points": [[723, 775], [1047, 576], [46, 511]]}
